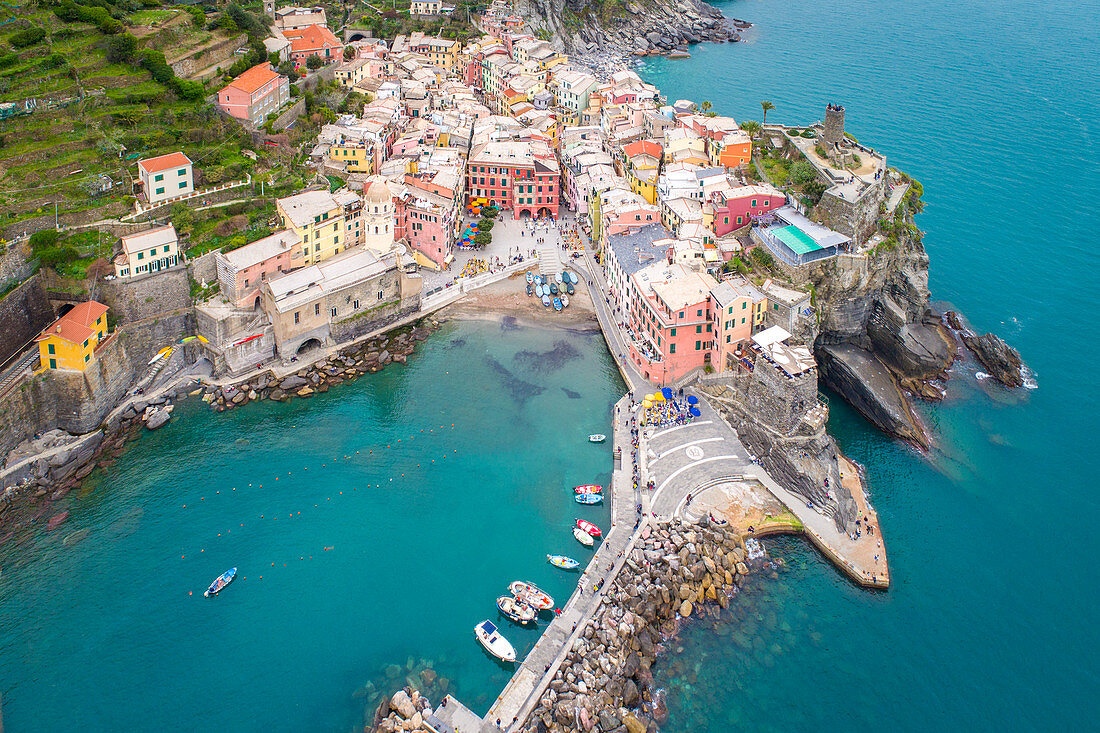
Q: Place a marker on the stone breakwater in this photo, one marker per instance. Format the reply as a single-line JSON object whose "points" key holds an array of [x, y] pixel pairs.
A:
{"points": [[674, 571], [368, 357]]}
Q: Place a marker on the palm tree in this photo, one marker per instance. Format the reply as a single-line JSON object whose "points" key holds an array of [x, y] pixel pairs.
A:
{"points": [[752, 127], [767, 107], [705, 106]]}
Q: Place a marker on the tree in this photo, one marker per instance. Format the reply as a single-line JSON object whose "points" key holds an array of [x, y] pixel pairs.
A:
{"points": [[349, 53], [752, 127], [482, 239], [802, 172], [121, 49], [314, 62], [486, 225], [705, 105], [767, 107], [182, 217]]}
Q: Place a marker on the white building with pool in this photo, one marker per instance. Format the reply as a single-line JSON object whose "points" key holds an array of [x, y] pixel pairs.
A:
{"points": [[796, 240]]}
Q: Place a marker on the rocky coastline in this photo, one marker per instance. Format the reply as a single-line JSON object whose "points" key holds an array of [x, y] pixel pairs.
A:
{"points": [[675, 572], [637, 28]]}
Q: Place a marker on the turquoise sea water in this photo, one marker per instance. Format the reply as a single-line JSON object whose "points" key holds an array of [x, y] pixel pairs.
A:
{"points": [[431, 486], [991, 620]]}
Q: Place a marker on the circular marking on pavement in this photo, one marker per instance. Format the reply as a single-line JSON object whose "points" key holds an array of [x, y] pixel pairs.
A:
{"points": [[693, 452]]}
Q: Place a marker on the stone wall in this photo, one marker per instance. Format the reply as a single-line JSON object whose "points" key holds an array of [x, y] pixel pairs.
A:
{"points": [[774, 400], [77, 402], [24, 312], [857, 219], [220, 53], [205, 268], [144, 297], [353, 328], [16, 264]]}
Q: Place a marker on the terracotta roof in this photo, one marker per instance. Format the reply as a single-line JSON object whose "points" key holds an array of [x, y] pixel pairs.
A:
{"points": [[76, 325], [164, 162], [254, 79], [311, 38]]}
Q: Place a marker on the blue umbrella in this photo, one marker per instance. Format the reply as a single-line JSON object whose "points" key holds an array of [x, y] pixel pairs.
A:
{"points": [[667, 392], [693, 400], [694, 411]]}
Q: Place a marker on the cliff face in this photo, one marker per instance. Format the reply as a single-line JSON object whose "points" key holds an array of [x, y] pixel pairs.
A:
{"points": [[639, 27], [878, 337]]}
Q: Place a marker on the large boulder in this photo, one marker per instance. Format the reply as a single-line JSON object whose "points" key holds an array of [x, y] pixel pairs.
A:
{"points": [[630, 693], [292, 382], [157, 418], [1002, 361], [402, 704]]}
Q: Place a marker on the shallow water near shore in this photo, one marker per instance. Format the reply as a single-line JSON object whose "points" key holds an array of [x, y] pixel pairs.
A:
{"points": [[991, 538], [404, 504]]}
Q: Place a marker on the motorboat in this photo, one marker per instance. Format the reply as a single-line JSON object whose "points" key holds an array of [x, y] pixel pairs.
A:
{"points": [[557, 304], [588, 498], [494, 642], [588, 527], [530, 277], [597, 438], [516, 609], [531, 595], [538, 290], [553, 288], [563, 562], [558, 277], [546, 300], [570, 289], [564, 300], [220, 582], [530, 288], [583, 537], [588, 489]]}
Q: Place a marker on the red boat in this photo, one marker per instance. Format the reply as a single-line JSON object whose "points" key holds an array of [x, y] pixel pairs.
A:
{"points": [[589, 528], [588, 489]]}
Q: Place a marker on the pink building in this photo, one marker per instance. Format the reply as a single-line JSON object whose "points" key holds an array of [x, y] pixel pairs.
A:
{"points": [[735, 207], [669, 323], [255, 94], [737, 309], [242, 271], [426, 217]]}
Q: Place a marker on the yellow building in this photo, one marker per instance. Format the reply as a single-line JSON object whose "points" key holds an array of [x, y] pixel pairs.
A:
{"points": [[70, 342], [318, 220], [643, 181], [359, 157], [440, 51]]}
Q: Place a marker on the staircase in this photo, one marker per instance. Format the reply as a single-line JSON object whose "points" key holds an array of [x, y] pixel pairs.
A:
{"points": [[151, 373], [549, 262]]}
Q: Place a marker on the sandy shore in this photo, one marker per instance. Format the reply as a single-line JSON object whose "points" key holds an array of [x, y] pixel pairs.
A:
{"points": [[509, 298]]}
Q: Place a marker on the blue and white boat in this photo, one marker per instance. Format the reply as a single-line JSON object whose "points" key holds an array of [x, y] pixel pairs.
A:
{"points": [[538, 290], [220, 582], [530, 276], [563, 562], [558, 277], [588, 498], [553, 288], [570, 289], [557, 304], [493, 642], [530, 288], [546, 300]]}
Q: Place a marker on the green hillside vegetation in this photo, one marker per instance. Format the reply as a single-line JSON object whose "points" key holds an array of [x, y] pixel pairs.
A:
{"points": [[85, 89]]}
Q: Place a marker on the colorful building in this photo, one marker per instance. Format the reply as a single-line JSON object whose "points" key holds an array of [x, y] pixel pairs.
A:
{"points": [[317, 218], [518, 176], [71, 341], [735, 207], [314, 40], [242, 271], [147, 252], [255, 94], [738, 309], [166, 177], [668, 321]]}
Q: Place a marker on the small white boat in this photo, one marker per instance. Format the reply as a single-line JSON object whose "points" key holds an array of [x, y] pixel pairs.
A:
{"points": [[565, 301], [516, 609], [597, 438], [493, 642], [583, 537], [531, 595]]}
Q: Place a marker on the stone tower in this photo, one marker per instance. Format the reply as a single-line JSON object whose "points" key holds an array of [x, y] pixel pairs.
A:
{"points": [[269, 8], [833, 133], [378, 215]]}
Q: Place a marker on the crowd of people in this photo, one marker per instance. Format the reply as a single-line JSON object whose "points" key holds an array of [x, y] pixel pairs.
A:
{"points": [[669, 412]]}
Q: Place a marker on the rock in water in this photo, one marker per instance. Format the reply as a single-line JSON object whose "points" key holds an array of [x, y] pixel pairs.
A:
{"points": [[402, 704], [1000, 359], [157, 419]]}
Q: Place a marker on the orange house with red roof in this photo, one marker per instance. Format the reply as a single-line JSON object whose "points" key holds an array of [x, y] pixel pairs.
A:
{"points": [[314, 40], [71, 341], [255, 94]]}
